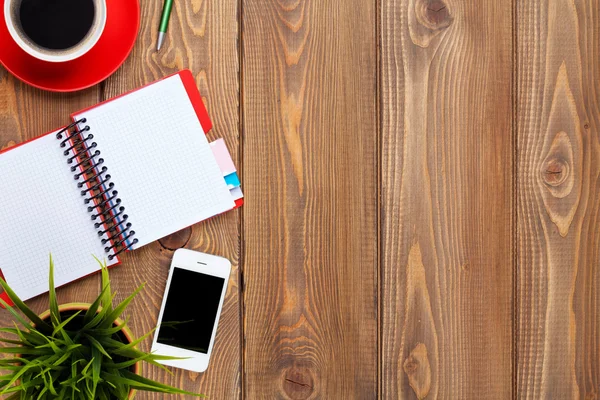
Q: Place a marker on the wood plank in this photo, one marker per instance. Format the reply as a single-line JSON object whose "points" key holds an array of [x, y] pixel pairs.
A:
{"points": [[202, 36], [447, 194], [558, 114], [310, 221], [26, 113]]}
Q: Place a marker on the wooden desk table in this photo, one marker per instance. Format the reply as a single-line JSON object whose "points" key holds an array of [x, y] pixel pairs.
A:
{"points": [[421, 181]]}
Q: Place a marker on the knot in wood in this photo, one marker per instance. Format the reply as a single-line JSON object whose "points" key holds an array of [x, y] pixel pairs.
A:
{"points": [[298, 383], [434, 14], [8, 145], [556, 172], [411, 366], [177, 240], [558, 169], [418, 370]]}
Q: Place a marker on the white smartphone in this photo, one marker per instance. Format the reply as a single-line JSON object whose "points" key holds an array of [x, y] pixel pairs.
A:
{"points": [[189, 315]]}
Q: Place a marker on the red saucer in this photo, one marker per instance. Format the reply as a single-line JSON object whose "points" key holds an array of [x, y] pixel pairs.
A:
{"points": [[111, 51]]}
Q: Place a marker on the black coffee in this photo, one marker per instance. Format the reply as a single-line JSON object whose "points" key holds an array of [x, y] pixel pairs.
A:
{"points": [[56, 24]]}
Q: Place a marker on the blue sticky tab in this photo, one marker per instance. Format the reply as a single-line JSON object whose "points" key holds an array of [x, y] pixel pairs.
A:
{"points": [[232, 180]]}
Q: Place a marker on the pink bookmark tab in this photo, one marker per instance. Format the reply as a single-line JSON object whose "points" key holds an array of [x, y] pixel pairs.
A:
{"points": [[222, 156]]}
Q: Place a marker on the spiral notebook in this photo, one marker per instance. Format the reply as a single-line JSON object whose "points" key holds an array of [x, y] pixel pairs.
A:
{"points": [[125, 173]]}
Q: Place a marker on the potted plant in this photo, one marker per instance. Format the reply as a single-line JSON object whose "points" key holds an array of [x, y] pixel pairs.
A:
{"points": [[75, 351]]}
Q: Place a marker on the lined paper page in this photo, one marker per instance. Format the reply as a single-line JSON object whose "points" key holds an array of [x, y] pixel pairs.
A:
{"points": [[159, 159], [42, 212]]}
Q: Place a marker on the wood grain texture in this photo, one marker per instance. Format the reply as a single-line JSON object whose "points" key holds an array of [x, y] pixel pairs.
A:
{"points": [[310, 149], [558, 122], [447, 194]]}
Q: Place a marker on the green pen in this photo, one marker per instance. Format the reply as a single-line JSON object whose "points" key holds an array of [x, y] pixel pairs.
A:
{"points": [[164, 23]]}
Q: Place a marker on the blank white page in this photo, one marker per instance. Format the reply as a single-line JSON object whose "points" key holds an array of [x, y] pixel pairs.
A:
{"points": [[159, 159], [43, 212]]}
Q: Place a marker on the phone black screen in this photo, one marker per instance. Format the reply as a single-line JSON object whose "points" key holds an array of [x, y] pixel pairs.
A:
{"points": [[191, 310]]}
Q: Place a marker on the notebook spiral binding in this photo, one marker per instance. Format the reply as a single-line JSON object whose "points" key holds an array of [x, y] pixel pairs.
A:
{"points": [[104, 204]]}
